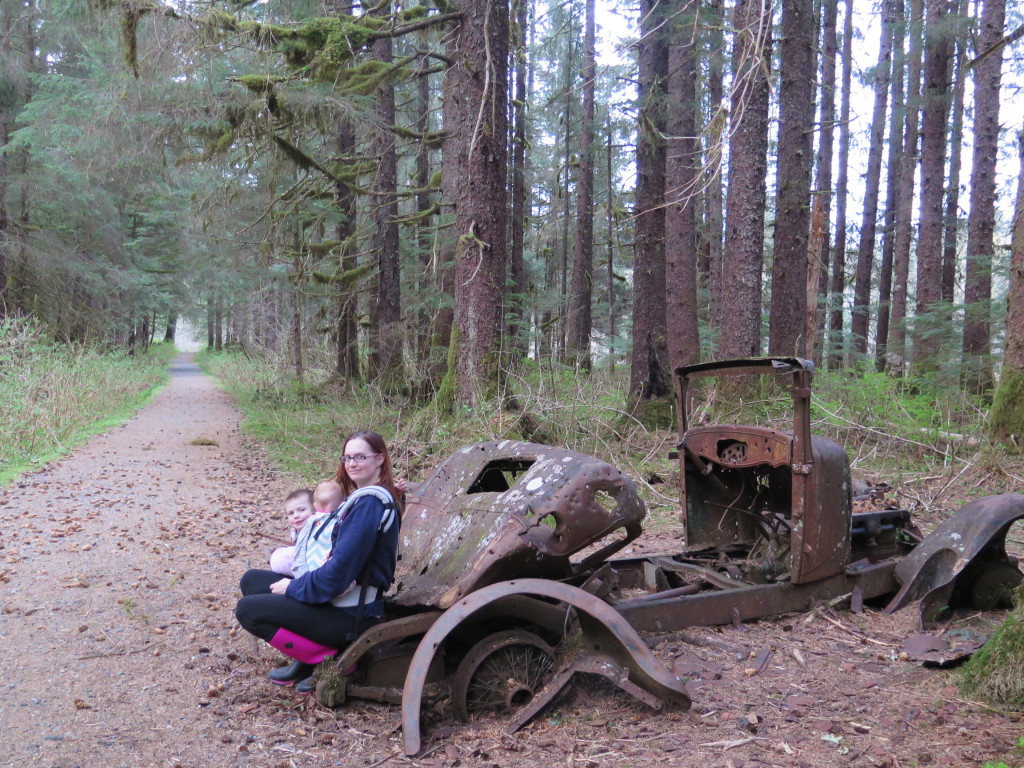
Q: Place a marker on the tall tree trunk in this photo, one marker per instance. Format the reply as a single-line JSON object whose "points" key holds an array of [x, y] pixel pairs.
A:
{"points": [[836, 343], [823, 175], [387, 333], [951, 224], [517, 317], [872, 182], [475, 173], [172, 326], [209, 324], [296, 334], [740, 330], [580, 322], [649, 377], [681, 182], [896, 351], [133, 338], [218, 324], [15, 293], [612, 332], [347, 329], [6, 120], [568, 162], [897, 118], [715, 150], [1007, 418], [981, 223], [793, 181], [424, 221], [443, 322], [935, 105]]}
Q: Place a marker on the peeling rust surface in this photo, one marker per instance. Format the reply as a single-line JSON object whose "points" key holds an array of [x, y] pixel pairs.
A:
{"points": [[500, 510]]}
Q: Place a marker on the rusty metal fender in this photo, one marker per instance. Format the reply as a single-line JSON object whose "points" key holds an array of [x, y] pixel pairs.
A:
{"points": [[604, 630], [960, 549]]}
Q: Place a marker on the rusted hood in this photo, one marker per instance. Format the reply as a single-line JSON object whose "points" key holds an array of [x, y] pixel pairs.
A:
{"points": [[500, 510]]}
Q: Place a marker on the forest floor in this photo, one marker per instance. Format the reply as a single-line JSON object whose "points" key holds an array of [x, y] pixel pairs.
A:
{"points": [[119, 568]]}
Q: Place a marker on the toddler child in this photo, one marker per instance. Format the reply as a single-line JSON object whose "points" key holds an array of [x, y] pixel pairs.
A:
{"points": [[298, 506]]}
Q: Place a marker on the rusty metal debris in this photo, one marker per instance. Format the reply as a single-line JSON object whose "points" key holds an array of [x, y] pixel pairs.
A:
{"points": [[508, 585], [963, 562]]}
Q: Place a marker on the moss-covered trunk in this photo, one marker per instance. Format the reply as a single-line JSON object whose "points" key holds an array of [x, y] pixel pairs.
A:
{"points": [[1008, 409]]}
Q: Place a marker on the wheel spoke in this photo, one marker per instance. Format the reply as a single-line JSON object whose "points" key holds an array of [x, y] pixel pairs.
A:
{"points": [[501, 672]]}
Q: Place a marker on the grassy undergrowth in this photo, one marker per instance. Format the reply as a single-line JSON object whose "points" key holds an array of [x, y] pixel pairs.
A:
{"points": [[898, 431], [303, 425], [54, 396]]}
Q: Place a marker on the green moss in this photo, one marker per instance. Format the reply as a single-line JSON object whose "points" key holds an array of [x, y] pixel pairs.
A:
{"points": [[444, 399], [322, 249], [1007, 417], [363, 79], [656, 414], [215, 22], [264, 35], [345, 279], [260, 84], [415, 13], [336, 42], [996, 672], [224, 141]]}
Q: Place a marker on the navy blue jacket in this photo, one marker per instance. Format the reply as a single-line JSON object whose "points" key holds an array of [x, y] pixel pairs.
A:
{"points": [[353, 543]]}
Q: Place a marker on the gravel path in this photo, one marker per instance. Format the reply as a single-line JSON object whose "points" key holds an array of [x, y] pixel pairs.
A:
{"points": [[119, 565]]}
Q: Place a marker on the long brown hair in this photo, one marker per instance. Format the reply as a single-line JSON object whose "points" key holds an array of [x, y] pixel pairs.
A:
{"points": [[387, 477]]}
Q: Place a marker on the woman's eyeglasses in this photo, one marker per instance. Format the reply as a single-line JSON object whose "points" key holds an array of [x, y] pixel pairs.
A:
{"points": [[359, 458]]}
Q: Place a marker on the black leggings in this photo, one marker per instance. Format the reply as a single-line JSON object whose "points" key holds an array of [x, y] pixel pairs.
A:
{"points": [[262, 613]]}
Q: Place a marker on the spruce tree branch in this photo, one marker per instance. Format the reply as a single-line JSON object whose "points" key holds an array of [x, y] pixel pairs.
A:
{"points": [[997, 46], [404, 29], [301, 158]]}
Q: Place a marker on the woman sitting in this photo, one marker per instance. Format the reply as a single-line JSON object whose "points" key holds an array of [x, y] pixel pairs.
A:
{"points": [[315, 615]]}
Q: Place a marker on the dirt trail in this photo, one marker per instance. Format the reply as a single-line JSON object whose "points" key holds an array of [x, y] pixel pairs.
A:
{"points": [[116, 610], [118, 576]]}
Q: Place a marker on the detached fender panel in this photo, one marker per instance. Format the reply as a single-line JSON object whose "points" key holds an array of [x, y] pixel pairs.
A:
{"points": [[956, 555]]}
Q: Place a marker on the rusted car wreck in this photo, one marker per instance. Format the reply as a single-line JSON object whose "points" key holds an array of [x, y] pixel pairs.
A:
{"points": [[509, 584]]}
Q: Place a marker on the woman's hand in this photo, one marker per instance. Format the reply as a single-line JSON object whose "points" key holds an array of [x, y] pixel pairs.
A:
{"points": [[279, 587]]}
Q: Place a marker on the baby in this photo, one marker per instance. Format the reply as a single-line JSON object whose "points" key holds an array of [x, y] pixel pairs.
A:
{"points": [[327, 497], [299, 507]]}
